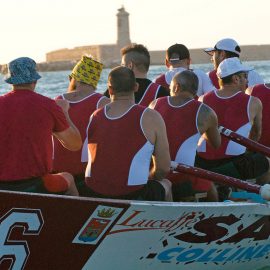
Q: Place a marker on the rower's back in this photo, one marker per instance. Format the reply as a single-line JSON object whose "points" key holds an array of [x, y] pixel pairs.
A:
{"points": [[122, 139]]}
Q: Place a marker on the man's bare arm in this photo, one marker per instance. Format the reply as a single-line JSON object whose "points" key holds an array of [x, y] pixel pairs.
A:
{"points": [[155, 130], [208, 125], [255, 112], [71, 137]]}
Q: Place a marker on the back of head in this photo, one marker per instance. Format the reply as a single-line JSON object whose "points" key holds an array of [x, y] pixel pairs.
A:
{"points": [[188, 81], [139, 55], [22, 71], [121, 80], [177, 52], [87, 71]]}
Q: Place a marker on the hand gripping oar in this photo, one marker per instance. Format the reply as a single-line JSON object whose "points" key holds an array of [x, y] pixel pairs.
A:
{"points": [[252, 145], [264, 190]]}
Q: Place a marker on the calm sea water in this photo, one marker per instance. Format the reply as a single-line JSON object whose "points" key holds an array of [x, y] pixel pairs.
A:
{"points": [[54, 83]]}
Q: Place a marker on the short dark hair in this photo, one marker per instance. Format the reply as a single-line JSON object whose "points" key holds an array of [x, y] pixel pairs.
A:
{"points": [[139, 55], [232, 54], [177, 51], [122, 79], [188, 81]]}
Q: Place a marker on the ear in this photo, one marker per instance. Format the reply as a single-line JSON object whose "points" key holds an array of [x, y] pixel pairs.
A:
{"points": [[110, 90], [167, 63], [136, 87], [222, 55], [235, 79]]}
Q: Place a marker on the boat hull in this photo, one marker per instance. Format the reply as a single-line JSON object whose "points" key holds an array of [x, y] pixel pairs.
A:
{"points": [[61, 232]]}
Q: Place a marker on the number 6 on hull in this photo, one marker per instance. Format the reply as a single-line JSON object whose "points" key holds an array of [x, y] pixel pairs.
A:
{"points": [[17, 252]]}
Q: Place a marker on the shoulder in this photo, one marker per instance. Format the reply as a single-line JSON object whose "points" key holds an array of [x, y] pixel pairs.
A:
{"points": [[205, 111], [152, 115], [160, 77]]}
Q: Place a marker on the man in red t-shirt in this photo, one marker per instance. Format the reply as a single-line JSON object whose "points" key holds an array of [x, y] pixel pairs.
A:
{"points": [[27, 122]]}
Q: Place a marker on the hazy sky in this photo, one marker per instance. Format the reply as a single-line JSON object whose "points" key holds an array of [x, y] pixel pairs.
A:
{"points": [[34, 27]]}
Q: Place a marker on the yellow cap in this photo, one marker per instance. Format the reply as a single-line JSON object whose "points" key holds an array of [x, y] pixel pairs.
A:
{"points": [[87, 71]]}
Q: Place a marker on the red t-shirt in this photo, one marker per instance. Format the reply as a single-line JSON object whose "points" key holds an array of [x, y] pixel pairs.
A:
{"points": [[27, 121]]}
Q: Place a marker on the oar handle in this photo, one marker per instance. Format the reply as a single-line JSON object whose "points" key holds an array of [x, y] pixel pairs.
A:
{"points": [[250, 144], [264, 191]]}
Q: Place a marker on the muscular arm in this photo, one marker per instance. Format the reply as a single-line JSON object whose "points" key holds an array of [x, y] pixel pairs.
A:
{"points": [[71, 137], [255, 112], [155, 131], [208, 126]]}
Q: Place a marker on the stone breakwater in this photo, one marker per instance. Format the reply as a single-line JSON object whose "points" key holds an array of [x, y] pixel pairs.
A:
{"points": [[198, 56]]}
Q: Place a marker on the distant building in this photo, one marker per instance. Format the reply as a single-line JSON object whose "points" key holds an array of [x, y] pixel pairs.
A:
{"points": [[108, 54]]}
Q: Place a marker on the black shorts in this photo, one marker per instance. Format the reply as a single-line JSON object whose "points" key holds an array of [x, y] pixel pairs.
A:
{"points": [[152, 191], [31, 185], [248, 165], [25, 185]]}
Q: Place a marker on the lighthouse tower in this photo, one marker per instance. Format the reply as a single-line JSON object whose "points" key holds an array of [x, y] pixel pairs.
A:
{"points": [[123, 38]]}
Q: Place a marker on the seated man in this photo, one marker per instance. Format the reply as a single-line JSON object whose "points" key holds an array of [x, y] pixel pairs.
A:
{"points": [[27, 122], [224, 49], [240, 113], [122, 139], [83, 101], [262, 92], [178, 60], [137, 58], [186, 120]]}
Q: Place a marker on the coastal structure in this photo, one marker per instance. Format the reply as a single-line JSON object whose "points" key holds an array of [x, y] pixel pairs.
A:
{"points": [[108, 54]]}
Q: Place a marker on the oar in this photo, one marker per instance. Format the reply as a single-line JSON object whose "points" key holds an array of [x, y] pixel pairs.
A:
{"points": [[264, 190], [252, 145]]}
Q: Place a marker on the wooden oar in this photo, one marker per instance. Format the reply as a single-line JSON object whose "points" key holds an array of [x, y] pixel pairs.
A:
{"points": [[264, 190], [250, 144]]}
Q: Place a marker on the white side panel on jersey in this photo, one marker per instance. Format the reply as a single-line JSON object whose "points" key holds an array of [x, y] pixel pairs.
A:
{"points": [[234, 148], [186, 152], [139, 168]]}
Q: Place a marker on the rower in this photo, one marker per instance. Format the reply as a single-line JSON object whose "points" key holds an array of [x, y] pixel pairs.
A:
{"points": [[262, 91], [227, 48], [83, 101], [240, 113], [137, 58], [27, 122], [122, 139], [186, 121], [177, 60]]}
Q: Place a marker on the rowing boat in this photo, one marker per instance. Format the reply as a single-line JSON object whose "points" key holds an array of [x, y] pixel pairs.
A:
{"points": [[61, 232]]}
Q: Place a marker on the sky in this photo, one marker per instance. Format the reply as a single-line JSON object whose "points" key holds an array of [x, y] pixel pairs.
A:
{"points": [[34, 27]]}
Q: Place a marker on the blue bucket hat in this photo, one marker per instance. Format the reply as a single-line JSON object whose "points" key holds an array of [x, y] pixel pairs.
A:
{"points": [[22, 70]]}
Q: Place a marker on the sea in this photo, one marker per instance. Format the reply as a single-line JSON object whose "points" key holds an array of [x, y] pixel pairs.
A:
{"points": [[54, 83]]}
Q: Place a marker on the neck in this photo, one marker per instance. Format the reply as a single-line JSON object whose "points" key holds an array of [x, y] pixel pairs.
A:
{"points": [[124, 98], [229, 89], [17, 87], [181, 99]]}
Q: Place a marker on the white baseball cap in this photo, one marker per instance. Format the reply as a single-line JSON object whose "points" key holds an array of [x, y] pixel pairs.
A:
{"points": [[231, 66], [226, 44]]}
